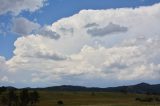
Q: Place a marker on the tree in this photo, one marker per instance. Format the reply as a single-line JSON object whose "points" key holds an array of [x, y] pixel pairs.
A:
{"points": [[16, 100], [11, 97], [4, 100], [34, 97], [2, 89], [24, 97]]}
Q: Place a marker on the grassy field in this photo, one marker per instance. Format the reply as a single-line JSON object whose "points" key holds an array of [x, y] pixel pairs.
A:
{"points": [[50, 98], [91, 99]]}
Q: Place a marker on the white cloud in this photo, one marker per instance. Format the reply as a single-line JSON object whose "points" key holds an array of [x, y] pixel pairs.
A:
{"points": [[4, 79], [3, 71], [17, 6], [78, 57], [2, 63], [37, 47]]}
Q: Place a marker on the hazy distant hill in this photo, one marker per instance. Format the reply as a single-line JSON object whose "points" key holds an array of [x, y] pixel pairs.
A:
{"points": [[139, 88]]}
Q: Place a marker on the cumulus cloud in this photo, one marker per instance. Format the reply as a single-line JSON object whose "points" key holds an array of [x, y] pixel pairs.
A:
{"points": [[76, 57], [47, 32], [17, 6], [3, 71], [111, 28], [23, 26], [39, 48], [2, 63]]}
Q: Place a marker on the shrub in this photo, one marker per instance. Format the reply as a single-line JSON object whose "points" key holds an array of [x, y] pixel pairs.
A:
{"points": [[157, 99], [149, 99], [60, 102]]}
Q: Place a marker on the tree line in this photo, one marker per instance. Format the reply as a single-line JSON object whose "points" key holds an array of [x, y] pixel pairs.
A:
{"points": [[19, 98]]}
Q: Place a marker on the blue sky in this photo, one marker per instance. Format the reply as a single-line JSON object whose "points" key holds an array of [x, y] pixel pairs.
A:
{"points": [[45, 31]]}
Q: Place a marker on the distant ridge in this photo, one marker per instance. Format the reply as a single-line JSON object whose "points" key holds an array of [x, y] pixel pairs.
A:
{"points": [[138, 88]]}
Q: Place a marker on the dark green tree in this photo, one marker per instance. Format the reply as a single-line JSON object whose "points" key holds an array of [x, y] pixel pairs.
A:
{"points": [[24, 97], [2, 89], [16, 100], [4, 100], [34, 97], [11, 97]]}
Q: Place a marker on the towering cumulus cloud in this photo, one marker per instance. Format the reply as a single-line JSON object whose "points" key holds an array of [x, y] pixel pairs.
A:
{"points": [[92, 47]]}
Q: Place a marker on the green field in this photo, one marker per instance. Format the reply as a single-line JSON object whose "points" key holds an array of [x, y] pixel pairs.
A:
{"points": [[50, 98], [92, 99]]}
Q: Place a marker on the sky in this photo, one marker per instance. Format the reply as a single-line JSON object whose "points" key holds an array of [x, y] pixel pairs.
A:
{"points": [[79, 42]]}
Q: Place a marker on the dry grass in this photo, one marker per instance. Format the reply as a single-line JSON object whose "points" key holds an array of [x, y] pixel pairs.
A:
{"points": [[88, 99], [50, 98]]}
